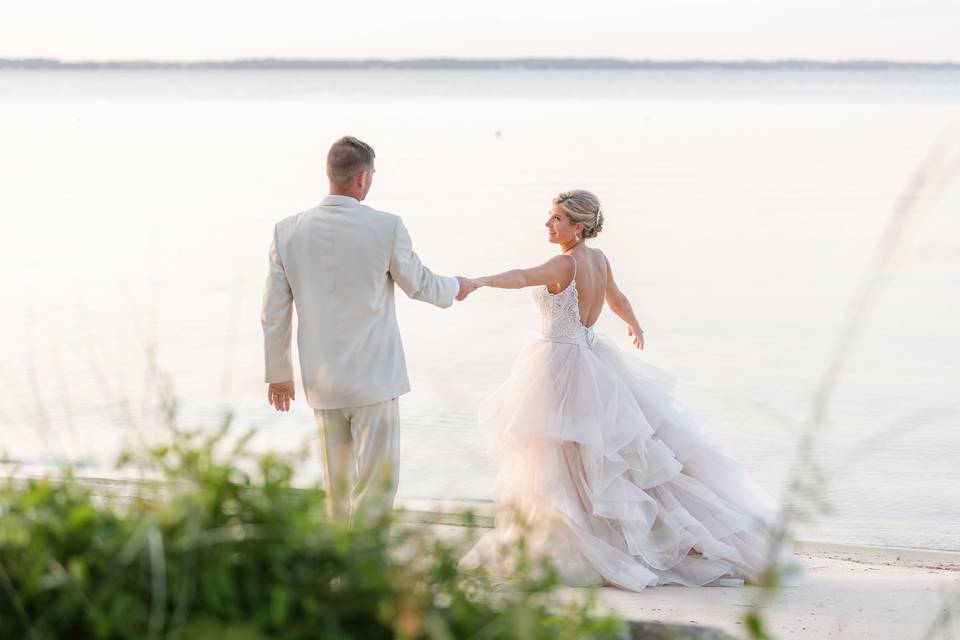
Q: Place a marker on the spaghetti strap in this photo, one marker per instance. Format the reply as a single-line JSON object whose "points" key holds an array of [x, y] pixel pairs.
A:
{"points": [[606, 269], [574, 265]]}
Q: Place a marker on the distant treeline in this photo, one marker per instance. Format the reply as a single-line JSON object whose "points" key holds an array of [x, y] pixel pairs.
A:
{"points": [[478, 64]]}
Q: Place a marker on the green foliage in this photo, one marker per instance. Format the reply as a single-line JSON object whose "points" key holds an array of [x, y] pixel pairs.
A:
{"points": [[755, 626], [224, 546]]}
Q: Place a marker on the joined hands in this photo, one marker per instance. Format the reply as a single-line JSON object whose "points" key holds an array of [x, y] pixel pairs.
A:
{"points": [[467, 286]]}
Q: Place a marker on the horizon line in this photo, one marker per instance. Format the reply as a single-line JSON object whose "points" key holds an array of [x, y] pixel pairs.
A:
{"points": [[454, 62]]}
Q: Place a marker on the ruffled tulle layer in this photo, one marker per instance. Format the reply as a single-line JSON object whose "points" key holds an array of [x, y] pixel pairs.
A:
{"points": [[604, 474]]}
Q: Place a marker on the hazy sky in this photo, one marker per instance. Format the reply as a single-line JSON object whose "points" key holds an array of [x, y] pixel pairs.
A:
{"points": [[927, 30]]}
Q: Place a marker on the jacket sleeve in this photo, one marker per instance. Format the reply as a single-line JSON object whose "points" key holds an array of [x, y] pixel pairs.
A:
{"points": [[277, 319], [416, 280]]}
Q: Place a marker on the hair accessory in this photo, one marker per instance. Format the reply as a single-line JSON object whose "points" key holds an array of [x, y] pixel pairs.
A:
{"points": [[596, 218]]}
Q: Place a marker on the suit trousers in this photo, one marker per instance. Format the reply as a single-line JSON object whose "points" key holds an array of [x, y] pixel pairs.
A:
{"points": [[361, 459]]}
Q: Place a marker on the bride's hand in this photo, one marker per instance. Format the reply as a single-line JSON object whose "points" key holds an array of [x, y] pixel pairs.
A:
{"points": [[637, 334]]}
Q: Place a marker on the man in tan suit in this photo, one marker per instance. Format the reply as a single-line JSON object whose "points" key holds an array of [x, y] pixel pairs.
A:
{"points": [[337, 263]]}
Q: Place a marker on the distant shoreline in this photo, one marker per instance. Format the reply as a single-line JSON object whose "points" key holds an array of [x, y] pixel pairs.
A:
{"points": [[463, 64]]}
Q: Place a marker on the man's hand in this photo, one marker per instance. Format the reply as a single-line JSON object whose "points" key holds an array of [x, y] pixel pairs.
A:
{"points": [[467, 286], [281, 394]]}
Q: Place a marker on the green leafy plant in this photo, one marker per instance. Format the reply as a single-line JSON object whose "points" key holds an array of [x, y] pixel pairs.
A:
{"points": [[221, 544]]}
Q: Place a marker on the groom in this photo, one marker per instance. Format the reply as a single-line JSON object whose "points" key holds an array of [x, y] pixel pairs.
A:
{"points": [[338, 263]]}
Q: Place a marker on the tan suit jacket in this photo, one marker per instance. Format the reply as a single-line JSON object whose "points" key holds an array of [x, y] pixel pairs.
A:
{"points": [[337, 264]]}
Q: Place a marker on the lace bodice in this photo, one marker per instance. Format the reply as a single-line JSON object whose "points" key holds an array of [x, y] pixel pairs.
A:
{"points": [[560, 315]]}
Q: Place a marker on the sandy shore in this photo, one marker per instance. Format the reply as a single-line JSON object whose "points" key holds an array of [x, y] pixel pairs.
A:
{"points": [[850, 591]]}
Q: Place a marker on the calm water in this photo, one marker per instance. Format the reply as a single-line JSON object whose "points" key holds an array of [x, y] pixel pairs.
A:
{"points": [[741, 209]]}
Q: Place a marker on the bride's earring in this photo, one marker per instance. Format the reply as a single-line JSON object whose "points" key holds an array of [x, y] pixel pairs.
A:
{"points": [[577, 238]]}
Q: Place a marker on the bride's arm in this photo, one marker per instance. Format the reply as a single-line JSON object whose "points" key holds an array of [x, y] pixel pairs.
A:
{"points": [[621, 306], [554, 271]]}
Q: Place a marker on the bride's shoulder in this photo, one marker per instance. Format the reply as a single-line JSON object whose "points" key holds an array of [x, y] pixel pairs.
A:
{"points": [[558, 268], [598, 256], [560, 263]]}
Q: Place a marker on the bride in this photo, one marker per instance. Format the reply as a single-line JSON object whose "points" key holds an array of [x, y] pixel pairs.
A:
{"points": [[602, 472]]}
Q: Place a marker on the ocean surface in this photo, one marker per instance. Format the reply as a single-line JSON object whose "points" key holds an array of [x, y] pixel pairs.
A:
{"points": [[742, 209]]}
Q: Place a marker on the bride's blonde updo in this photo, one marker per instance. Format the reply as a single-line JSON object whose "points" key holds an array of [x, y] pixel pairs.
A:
{"points": [[582, 207]]}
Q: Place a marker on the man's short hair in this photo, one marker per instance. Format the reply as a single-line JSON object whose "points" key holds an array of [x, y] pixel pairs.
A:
{"points": [[348, 157]]}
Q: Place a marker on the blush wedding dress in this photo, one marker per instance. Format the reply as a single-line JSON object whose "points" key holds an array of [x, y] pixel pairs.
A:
{"points": [[604, 474]]}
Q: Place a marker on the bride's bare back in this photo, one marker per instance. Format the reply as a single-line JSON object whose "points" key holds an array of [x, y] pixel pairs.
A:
{"points": [[591, 277]]}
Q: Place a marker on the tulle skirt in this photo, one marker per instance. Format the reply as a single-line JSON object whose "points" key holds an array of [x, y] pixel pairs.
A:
{"points": [[606, 476]]}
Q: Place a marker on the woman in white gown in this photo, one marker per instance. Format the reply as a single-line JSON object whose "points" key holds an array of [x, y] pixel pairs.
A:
{"points": [[601, 471]]}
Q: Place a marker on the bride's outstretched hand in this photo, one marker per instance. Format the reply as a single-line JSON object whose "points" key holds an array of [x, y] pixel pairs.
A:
{"points": [[637, 334]]}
